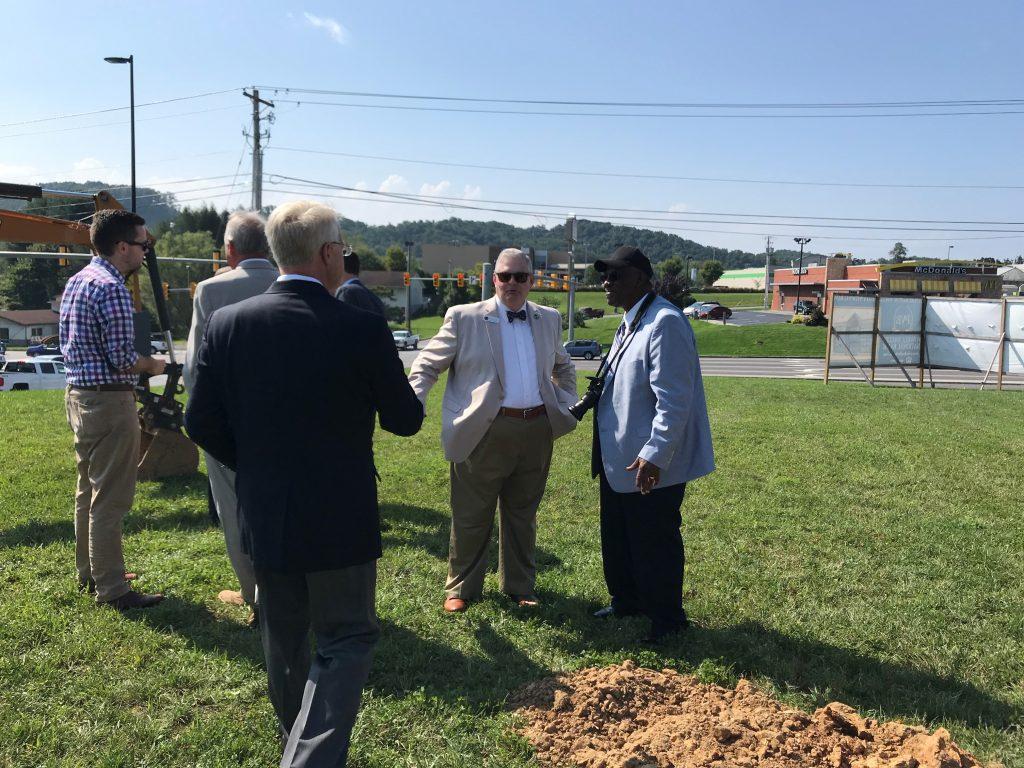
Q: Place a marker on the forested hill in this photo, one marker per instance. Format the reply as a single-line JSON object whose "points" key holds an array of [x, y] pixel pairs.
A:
{"points": [[154, 206], [597, 239]]}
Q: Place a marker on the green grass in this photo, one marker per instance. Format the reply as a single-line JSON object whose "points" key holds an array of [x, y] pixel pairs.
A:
{"points": [[855, 544], [715, 340]]}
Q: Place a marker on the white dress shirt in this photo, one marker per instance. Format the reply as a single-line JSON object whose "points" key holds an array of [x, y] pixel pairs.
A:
{"points": [[293, 276], [521, 387]]}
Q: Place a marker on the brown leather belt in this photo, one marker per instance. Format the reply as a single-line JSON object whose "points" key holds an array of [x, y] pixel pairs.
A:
{"points": [[103, 387], [523, 413]]}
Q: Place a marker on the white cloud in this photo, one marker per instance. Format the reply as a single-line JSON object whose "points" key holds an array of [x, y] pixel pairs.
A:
{"points": [[86, 169], [441, 189], [361, 185], [472, 192], [394, 183], [18, 172], [336, 32], [678, 208]]}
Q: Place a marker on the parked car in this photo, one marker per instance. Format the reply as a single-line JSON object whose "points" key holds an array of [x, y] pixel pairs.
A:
{"points": [[16, 375], [157, 343], [406, 340], [694, 309], [3, 353], [49, 345], [714, 312], [803, 307], [592, 312], [588, 349]]}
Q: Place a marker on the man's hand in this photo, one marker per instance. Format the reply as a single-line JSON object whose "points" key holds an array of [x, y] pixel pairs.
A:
{"points": [[647, 475], [151, 366]]}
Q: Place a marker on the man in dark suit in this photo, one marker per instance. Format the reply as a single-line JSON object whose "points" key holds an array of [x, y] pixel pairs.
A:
{"points": [[352, 290], [298, 436]]}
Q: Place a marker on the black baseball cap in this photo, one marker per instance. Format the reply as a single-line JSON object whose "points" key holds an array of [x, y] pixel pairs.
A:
{"points": [[625, 256]]}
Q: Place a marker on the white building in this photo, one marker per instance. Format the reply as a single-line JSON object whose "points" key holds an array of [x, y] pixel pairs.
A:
{"points": [[27, 326]]}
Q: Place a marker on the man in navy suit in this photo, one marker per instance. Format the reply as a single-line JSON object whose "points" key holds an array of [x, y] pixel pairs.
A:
{"points": [[651, 437], [298, 436], [352, 290]]}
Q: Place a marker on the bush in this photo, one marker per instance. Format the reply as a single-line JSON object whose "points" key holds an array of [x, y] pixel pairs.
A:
{"points": [[816, 318], [579, 320]]}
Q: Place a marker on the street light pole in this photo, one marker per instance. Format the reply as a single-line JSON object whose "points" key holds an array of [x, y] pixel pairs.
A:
{"points": [[949, 249], [130, 61], [800, 271]]}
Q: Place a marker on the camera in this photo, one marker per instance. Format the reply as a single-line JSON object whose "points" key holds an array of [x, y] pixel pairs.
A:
{"points": [[589, 400]]}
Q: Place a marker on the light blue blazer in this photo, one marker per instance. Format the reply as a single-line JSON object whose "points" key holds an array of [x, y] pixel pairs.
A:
{"points": [[652, 405]]}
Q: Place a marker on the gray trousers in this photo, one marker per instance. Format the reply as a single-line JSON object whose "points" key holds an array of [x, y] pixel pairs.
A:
{"points": [[222, 482], [316, 701]]}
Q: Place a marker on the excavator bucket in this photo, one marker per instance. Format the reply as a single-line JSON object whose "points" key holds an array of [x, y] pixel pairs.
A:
{"points": [[166, 453]]}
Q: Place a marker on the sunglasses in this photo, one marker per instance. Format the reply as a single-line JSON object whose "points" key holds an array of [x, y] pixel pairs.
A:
{"points": [[143, 244], [504, 277]]}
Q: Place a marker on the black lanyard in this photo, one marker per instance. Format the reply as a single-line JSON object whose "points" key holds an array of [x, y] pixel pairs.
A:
{"points": [[606, 365]]}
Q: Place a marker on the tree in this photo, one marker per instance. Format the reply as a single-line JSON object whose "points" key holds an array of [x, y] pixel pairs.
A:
{"points": [[28, 284], [188, 245], [898, 253], [591, 276], [675, 289], [710, 271], [395, 259], [670, 267]]}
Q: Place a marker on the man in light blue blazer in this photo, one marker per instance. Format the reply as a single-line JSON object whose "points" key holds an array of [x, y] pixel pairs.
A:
{"points": [[651, 437]]}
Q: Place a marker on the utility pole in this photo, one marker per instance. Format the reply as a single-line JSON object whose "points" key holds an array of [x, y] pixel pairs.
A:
{"points": [[767, 269], [802, 241], [257, 149], [570, 235], [408, 289]]}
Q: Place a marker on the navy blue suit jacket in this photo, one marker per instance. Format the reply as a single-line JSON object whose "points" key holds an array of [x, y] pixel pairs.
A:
{"points": [[284, 387]]}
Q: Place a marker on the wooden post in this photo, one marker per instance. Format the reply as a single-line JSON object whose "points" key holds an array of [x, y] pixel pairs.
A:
{"points": [[828, 343], [923, 353], [874, 339], [1002, 348]]}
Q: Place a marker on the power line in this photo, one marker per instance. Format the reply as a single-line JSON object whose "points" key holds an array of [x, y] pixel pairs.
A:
{"points": [[119, 122], [559, 217], [457, 203], [116, 109], [53, 174], [676, 214], [668, 115], [647, 176], [654, 104]]}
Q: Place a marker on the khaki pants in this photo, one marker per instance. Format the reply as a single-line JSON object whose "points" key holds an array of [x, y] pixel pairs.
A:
{"points": [[508, 467], [106, 430], [222, 481]]}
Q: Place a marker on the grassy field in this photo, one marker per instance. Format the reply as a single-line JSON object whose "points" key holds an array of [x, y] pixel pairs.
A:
{"points": [[854, 544]]}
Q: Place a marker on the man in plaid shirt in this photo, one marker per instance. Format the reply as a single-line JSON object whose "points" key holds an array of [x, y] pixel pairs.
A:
{"points": [[97, 341]]}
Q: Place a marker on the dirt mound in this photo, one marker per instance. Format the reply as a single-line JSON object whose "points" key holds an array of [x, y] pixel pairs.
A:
{"points": [[627, 717]]}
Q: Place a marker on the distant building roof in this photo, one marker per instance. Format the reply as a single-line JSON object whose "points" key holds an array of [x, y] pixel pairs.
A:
{"points": [[748, 272], [30, 316]]}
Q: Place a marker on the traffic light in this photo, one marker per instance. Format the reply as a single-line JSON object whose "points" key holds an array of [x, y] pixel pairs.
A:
{"points": [[461, 279], [406, 279], [216, 260], [437, 279], [62, 261], [167, 290], [192, 290]]}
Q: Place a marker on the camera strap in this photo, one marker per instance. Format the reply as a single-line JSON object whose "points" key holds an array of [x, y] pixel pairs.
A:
{"points": [[606, 366]]}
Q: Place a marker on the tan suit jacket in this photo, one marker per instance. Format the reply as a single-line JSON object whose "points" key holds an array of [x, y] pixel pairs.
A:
{"points": [[468, 345], [246, 280]]}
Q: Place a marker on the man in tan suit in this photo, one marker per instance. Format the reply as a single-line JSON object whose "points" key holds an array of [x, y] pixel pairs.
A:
{"points": [[510, 385], [251, 273]]}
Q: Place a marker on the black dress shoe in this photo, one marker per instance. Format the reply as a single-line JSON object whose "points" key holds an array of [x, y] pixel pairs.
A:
{"points": [[610, 610], [87, 585], [662, 632], [133, 599]]}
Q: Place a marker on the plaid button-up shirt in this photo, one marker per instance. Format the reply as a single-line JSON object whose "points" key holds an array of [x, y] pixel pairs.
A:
{"points": [[97, 337]]}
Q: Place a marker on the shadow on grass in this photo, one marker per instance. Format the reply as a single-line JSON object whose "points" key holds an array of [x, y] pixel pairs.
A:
{"points": [[41, 534], [822, 671], [429, 530]]}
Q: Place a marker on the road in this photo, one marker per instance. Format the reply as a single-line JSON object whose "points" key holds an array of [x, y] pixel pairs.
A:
{"points": [[809, 369]]}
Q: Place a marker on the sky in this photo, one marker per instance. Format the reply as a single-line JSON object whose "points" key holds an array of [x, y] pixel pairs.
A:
{"points": [[712, 174]]}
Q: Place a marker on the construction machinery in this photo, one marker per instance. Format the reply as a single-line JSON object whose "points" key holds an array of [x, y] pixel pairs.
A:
{"points": [[164, 451]]}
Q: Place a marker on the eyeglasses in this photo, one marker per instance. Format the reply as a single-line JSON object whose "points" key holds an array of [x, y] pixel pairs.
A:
{"points": [[504, 277], [143, 244]]}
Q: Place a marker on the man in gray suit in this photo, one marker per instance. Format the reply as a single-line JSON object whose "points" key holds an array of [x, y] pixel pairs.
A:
{"points": [[251, 273], [651, 437], [352, 290]]}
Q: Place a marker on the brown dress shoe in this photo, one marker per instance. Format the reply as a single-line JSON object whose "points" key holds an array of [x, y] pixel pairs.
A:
{"points": [[231, 597], [525, 601], [455, 605], [133, 599]]}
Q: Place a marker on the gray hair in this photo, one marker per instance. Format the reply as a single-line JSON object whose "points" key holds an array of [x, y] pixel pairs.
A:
{"points": [[511, 253], [297, 230], [247, 230]]}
